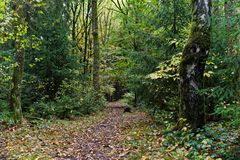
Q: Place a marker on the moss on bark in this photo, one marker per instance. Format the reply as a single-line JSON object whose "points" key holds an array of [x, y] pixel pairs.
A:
{"points": [[15, 97], [193, 63]]}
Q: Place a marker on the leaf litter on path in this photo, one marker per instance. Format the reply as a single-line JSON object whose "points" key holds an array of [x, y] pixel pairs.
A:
{"points": [[97, 137]]}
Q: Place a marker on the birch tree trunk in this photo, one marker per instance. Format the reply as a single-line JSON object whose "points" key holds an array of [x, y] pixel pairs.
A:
{"points": [[95, 45], [193, 62]]}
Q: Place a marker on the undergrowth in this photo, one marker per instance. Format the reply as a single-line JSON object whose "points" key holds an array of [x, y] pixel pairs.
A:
{"points": [[158, 140]]}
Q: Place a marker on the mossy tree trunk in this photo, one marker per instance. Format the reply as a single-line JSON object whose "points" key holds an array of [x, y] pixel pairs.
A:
{"points": [[95, 45], [15, 99], [19, 28], [193, 63], [229, 12]]}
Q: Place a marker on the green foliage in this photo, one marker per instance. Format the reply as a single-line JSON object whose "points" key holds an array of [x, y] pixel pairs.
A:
{"points": [[49, 63], [213, 141], [6, 68], [128, 99], [151, 140], [167, 69], [72, 100], [5, 114], [222, 87], [229, 111], [150, 39], [140, 65]]}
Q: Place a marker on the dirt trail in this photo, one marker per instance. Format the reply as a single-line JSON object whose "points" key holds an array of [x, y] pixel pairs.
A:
{"points": [[102, 141]]}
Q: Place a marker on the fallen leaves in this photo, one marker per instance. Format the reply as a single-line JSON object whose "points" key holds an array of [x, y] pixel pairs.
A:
{"points": [[96, 137], [45, 140], [111, 135]]}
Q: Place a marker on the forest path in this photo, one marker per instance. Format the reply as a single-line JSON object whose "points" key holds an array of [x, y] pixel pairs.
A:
{"points": [[103, 140]]}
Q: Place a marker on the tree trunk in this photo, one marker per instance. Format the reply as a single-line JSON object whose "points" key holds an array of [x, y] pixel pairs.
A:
{"points": [[228, 11], [86, 35], [95, 45], [15, 97], [174, 24], [193, 62]]}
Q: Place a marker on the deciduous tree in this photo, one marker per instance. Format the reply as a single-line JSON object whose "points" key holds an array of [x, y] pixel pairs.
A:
{"points": [[95, 45], [19, 30], [193, 63]]}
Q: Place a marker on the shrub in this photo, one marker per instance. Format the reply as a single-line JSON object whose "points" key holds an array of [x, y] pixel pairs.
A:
{"points": [[5, 114], [73, 99], [128, 99]]}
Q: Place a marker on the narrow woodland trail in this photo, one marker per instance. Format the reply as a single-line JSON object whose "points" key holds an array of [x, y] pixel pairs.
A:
{"points": [[102, 141]]}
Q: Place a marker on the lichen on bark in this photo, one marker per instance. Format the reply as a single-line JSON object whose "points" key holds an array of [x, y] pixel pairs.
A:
{"points": [[193, 63]]}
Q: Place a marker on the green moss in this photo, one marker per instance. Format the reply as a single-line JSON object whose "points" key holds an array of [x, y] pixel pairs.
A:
{"points": [[194, 54], [197, 39]]}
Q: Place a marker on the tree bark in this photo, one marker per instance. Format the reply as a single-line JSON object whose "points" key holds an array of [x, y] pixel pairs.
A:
{"points": [[193, 62], [95, 46], [86, 35], [228, 11], [15, 97], [174, 24]]}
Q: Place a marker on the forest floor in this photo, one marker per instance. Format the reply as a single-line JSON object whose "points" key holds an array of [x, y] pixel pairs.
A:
{"points": [[115, 135], [97, 137]]}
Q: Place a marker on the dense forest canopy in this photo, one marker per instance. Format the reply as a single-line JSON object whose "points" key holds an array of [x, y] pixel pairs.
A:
{"points": [[178, 60]]}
